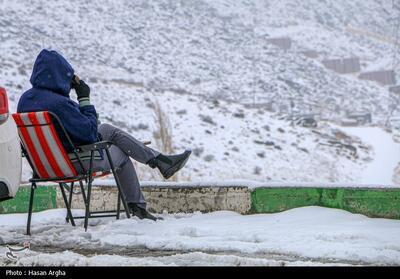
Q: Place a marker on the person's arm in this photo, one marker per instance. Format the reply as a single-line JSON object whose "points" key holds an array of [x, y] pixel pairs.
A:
{"points": [[82, 91], [79, 122]]}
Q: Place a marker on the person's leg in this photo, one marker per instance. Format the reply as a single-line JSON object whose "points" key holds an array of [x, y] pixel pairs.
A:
{"points": [[125, 171], [168, 165], [130, 184], [128, 144]]}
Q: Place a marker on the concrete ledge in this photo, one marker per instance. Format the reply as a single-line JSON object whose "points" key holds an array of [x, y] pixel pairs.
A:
{"points": [[170, 197], [205, 199]]}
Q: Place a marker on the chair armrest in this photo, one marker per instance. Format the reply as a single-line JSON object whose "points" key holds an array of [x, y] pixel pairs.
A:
{"points": [[94, 146], [100, 145]]}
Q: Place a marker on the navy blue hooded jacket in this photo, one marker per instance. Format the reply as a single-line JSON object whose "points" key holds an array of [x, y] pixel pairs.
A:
{"points": [[51, 83]]}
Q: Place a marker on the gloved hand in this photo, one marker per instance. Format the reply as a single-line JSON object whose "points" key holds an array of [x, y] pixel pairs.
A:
{"points": [[82, 91]]}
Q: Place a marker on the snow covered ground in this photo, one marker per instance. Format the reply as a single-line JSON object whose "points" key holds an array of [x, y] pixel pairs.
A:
{"points": [[387, 154], [302, 236]]}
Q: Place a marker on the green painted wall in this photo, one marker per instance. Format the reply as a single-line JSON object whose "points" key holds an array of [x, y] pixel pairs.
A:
{"points": [[384, 203], [45, 198], [268, 200]]}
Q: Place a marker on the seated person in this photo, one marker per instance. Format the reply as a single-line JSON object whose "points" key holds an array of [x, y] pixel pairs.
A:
{"points": [[52, 80]]}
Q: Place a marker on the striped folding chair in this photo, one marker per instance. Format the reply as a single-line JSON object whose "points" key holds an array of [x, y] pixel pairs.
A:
{"points": [[43, 149]]}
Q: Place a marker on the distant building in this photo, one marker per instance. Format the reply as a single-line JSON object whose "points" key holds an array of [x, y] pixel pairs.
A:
{"points": [[308, 122], [283, 43], [305, 120], [310, 53], [267, 106], [343, 66], [395, 89], [382, 77], [349, 122], [361, 118], [394, 122]]}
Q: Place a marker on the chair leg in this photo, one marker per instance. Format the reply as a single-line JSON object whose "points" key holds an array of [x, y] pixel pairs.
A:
{"points": [[89, 191], [118, 184], [83, 191], [87, 213], [28, 225], [70, 199], [118, 205], [66, 204]]}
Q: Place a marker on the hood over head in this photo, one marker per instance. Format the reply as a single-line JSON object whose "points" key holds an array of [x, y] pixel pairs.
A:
{"points": [[51, 71]]}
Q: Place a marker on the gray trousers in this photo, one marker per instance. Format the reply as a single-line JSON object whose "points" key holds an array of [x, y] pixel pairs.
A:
{"points": [[124, 147]]}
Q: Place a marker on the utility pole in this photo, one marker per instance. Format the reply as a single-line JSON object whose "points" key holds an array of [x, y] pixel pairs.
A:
{"points": [[393, 98], [253, 60]]}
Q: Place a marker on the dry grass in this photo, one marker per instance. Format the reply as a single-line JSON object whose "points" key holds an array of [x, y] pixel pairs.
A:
{"points": [[163, 132], [396, 175]]}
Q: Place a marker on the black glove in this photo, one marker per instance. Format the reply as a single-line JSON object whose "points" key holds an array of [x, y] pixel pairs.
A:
{"points": [[82, 89]]}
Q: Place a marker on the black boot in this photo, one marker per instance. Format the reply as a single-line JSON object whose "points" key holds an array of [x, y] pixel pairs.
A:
{"points": [[168, 165], [141, 213]]}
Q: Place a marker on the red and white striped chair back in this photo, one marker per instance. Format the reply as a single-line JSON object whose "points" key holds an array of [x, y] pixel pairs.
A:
{"points": [[43, 146]]}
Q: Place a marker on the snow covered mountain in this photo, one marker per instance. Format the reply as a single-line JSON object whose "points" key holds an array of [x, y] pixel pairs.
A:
{"points": [[205, 62]]}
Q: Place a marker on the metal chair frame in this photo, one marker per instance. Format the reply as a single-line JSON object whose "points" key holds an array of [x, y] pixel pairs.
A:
{"points": [[87, 176]]}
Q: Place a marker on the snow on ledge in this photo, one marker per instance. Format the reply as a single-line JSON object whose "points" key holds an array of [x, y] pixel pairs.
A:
{"points": [[245, 183], [257, 184]]}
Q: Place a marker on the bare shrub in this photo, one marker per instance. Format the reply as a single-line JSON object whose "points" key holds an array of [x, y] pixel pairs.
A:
{"points": [[257, 170], [207, 119], [163, 132], [209, 158]]}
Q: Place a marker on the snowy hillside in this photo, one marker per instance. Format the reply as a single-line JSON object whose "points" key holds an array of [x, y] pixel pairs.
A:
{"points": [[202, 61]]}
